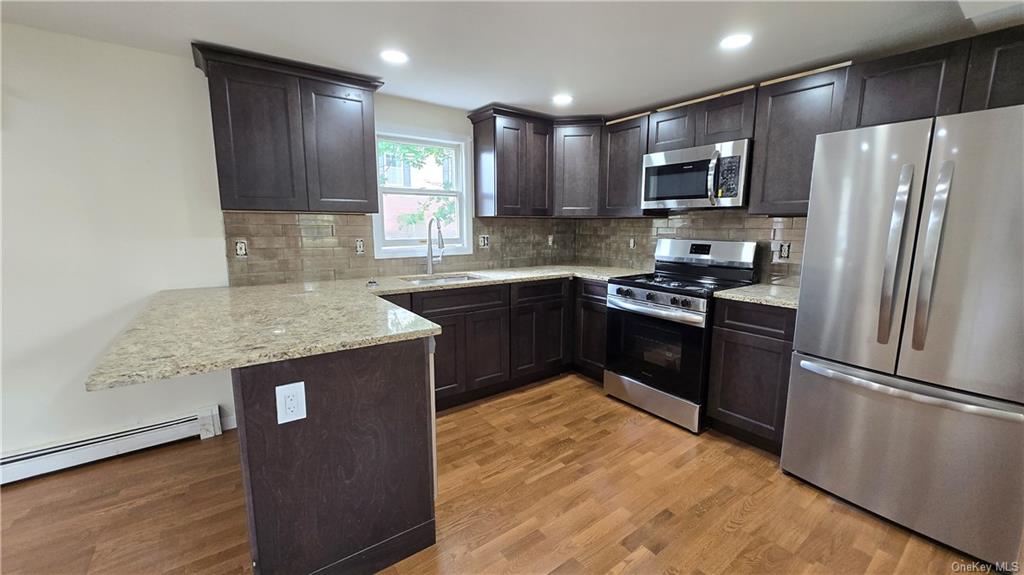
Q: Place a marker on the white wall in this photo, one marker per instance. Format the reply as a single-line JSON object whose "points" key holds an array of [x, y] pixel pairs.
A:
{"points": [[109, 195]]}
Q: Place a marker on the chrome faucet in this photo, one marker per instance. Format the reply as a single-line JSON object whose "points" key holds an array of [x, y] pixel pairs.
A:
{"points": [[430, 245]]}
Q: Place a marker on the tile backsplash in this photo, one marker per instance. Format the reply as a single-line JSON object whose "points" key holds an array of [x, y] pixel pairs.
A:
{"points": [[607, 241], [290, 247]]}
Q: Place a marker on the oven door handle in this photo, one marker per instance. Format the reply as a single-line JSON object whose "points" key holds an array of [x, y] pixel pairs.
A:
{"points": [[673, 315]]}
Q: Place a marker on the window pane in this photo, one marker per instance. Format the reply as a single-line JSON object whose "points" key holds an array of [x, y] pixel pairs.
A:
{"points": [[417, 166], [405, 216]]}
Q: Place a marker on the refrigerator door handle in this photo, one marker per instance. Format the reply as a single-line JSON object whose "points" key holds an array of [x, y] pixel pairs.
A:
{"points": [[892, 252], [931, 254], [835, 375]]}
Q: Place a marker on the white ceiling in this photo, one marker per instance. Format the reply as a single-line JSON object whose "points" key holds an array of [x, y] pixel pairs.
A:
{"points": [[612, 57]]}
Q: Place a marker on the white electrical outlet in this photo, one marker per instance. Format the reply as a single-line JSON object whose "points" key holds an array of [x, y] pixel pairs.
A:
{"points": [[241, 248], [291, 401], [632, 243], [484, 241], [360, 247], [551, 240]]}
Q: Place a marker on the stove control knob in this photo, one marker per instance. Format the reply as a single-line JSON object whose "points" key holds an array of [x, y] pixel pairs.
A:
{"points": [[651, 297], [674, 301], [620, 291], [686, 303]]}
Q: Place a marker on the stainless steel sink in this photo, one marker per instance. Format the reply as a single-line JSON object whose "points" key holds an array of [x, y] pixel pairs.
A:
{"points": [[436, 280]]}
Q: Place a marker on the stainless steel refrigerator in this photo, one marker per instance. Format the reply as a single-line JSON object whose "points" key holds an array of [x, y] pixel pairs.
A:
{"points": [[906, 394]]}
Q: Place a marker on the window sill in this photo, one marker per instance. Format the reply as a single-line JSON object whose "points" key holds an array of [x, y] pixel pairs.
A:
{"points": [[388, 253]]}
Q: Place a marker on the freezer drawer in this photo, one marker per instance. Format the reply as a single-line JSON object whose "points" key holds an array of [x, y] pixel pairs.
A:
{"points": [[944, 464]]}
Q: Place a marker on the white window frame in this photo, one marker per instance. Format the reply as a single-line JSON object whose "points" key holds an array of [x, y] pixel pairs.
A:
{"points": [[382, 250]]}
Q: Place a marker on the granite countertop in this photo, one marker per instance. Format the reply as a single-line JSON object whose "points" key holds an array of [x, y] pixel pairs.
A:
{"points": [[193, 331], [765, 294]]}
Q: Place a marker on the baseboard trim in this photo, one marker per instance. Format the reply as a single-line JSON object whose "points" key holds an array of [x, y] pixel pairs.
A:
{"points": [[205, 423]]}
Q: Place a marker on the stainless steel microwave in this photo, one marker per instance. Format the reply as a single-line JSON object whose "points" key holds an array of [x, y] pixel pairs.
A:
{"points": [[712, 176]]}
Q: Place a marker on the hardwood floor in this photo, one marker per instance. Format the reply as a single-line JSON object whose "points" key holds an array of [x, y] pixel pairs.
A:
{"points": [[552, 478]]}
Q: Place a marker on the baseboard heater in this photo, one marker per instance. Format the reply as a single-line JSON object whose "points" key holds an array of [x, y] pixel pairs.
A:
{"points": [[205, 423]]}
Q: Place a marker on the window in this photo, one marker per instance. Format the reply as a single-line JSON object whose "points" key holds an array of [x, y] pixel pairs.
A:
{"points": [[419, 179]]}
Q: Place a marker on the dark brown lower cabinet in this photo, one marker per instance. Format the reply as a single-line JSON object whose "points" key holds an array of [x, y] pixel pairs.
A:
{"points": [[486, 348], [749, 377], [472, 352], [540, 338], [450, 355], [590, 328]]}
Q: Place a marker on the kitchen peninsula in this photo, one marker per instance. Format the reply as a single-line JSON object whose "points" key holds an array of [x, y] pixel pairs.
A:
{"points": [[349, 486]]}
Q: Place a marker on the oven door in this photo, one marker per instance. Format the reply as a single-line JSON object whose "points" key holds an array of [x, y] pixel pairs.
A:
{"points": [[660, 353]]}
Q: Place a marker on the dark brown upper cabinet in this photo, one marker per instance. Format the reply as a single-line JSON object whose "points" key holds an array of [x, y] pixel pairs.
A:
{"points": [[539, 169], [577, 169], [910, 86], [290, 136], [725, 118], [995, 74], [257, 132], [671, 129], [513, 163], [790, 115], [341, 169], [622, 156]]}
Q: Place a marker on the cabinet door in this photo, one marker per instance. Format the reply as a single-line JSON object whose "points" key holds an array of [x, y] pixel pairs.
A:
{"points": [[257, 133], [622, 155], [487, 348], [525, 328], [553, 347], [591, 331], [790, 115], [450, 355], [918, 84], [509, 165], [341, 164], [538, 170], [671, 129], [995, 75], [577, 170], [749, 381], [726, 118]]}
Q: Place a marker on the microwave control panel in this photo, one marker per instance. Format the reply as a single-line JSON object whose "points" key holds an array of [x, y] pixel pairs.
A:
{"points": [[728, 177]]}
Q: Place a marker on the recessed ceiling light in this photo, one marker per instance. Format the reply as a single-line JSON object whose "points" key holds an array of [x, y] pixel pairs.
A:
{"points": [[394, 56], [562, 99], [735, 41]]}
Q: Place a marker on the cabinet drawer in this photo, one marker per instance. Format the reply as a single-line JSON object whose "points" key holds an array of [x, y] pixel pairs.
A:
{"points": [[592, 289], [766, 320], [460, 300], [532, 292]]}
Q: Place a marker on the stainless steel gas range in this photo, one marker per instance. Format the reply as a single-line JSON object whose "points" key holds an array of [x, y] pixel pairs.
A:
{"points": [[659, 326]]}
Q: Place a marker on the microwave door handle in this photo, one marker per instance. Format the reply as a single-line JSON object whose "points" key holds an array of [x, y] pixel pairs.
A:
{"points": [[892, 252], [712, 165], [931, 254]]}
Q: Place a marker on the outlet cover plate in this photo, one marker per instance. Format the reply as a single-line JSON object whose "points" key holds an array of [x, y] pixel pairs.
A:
{"points": [[291, 402]]}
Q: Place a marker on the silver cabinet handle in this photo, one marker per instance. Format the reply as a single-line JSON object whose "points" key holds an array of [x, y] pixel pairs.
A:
{"points": [[930, 255], [892, 252], [973, 409], [711, 176], [673, 315]]}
